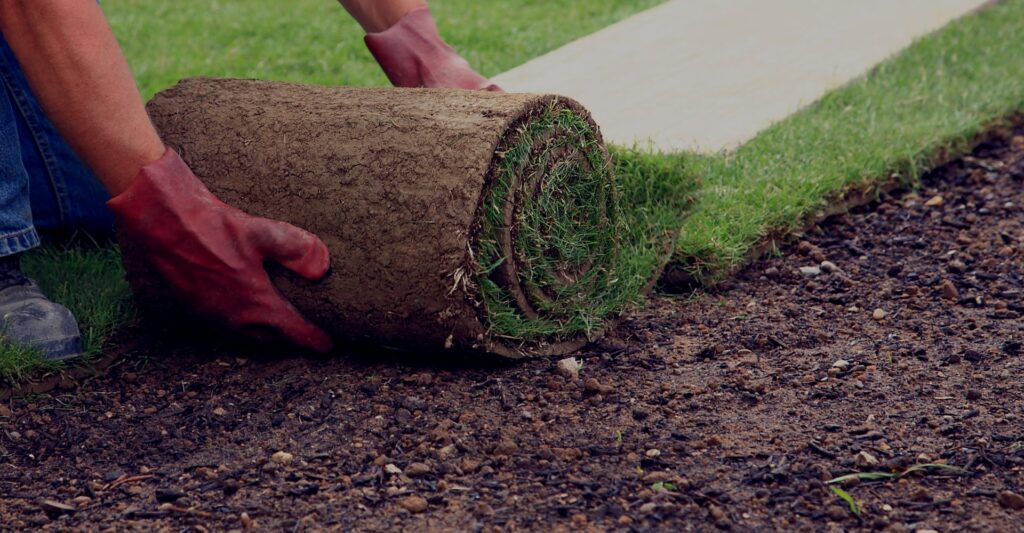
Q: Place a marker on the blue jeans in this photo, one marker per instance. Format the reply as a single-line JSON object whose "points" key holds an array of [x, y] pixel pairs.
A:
{"points": [[44, 185]]}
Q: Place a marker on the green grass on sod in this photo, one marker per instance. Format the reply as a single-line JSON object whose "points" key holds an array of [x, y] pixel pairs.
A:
{"points": [[930, 99], [584, 246]]}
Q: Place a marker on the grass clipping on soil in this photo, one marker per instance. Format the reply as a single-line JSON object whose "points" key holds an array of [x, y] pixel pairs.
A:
{"points": [[455, 218]]}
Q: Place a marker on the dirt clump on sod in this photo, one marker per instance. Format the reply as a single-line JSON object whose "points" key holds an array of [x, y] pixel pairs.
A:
{"points": [[454, 218]]}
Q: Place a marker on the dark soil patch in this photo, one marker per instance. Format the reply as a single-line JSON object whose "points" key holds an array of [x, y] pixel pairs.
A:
{"points": [[722, 411]]}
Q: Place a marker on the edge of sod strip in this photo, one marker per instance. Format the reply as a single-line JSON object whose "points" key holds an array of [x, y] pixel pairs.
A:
{"points": [[928, 104], [567, 240]]}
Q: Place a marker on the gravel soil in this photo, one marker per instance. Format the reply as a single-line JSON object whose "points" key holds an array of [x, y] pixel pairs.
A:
{"points": [[888, 337]]}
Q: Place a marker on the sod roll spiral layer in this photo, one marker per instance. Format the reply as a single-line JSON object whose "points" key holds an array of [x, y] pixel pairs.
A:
{"points": [[455, 219]]}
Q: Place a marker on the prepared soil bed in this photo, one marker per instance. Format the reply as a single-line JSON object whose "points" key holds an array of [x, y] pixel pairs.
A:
{"points": [[455, 219], [889, 337]]}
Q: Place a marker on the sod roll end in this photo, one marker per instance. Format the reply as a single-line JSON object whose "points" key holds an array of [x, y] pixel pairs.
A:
{"points": [[455, 219]]}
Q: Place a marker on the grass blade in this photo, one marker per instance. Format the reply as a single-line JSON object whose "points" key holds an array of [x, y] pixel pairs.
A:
{"points": [[845, 496]]}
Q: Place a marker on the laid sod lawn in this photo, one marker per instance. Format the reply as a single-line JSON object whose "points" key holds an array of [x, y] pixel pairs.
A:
{"points": [[891, 124], [932, 98]]}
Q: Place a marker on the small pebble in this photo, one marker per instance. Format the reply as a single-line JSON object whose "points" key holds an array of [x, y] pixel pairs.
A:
{"points": [[648, 508], [865, 459], [1011, 500], [879, 314], [483, 510], [935, 201], [282, 458], [505, 447], [53, 507], [593, 386], [569, 368], [417, 469], [829, 267], [949, 291], [810, 271], [413, 504]]}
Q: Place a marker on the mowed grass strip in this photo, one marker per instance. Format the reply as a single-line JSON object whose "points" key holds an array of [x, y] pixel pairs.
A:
{"points": [[308, 41], [929, 100]]}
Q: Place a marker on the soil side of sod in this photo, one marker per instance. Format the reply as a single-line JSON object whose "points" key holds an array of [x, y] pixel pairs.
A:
{"points": [[727, 410], [454, 219]]}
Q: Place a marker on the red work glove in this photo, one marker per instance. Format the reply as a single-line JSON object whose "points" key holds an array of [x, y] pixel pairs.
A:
{"points": [[212, 255], [412, 54]]}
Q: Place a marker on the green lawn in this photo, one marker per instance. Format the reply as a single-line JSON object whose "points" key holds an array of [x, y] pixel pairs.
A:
{"points": [[890, 124], [931, 98], [315, 41]]}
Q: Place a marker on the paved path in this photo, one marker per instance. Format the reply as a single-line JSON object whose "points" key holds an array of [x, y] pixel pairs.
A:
{"points": [[709, 74]]}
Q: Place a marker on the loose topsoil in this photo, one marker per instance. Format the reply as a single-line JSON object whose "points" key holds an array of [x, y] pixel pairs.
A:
{"points": [[460, 219], [889, 337]]}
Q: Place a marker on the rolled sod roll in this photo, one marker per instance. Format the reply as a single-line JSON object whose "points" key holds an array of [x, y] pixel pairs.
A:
{"points": [[455, 219]]}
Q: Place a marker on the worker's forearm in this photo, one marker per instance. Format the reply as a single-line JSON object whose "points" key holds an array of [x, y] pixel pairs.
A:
{"points": [[379, 15], [80, 76]]}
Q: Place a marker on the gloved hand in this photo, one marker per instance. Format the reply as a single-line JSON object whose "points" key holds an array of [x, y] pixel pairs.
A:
{"points": [[412, 54], [212, 255]]}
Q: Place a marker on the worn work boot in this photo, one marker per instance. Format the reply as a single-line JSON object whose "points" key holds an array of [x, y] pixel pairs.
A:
{"points": [[28, 318], [413, 54]]}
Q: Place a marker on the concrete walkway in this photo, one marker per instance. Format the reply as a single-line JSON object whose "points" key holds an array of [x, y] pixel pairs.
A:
{"points": [[709, 74]]}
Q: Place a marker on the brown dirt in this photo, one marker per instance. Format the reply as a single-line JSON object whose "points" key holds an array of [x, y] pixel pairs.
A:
{"points": [[391, 179], [735, 402]]}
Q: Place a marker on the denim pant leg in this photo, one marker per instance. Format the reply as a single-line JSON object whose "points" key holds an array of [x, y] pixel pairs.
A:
{"points": [[44, 184]]}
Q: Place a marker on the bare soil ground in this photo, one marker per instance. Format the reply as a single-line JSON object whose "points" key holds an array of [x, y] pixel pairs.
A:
{"points": [[720, 411]]}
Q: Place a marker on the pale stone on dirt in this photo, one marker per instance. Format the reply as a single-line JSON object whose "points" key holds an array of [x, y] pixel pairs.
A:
{"points": [[810, 271], [707, 75], [569, 368], [865, 459], [282, 458]]}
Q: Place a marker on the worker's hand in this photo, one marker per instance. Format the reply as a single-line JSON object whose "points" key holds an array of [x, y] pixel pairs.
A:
{"points": [[212, 255], [412, 54]]}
